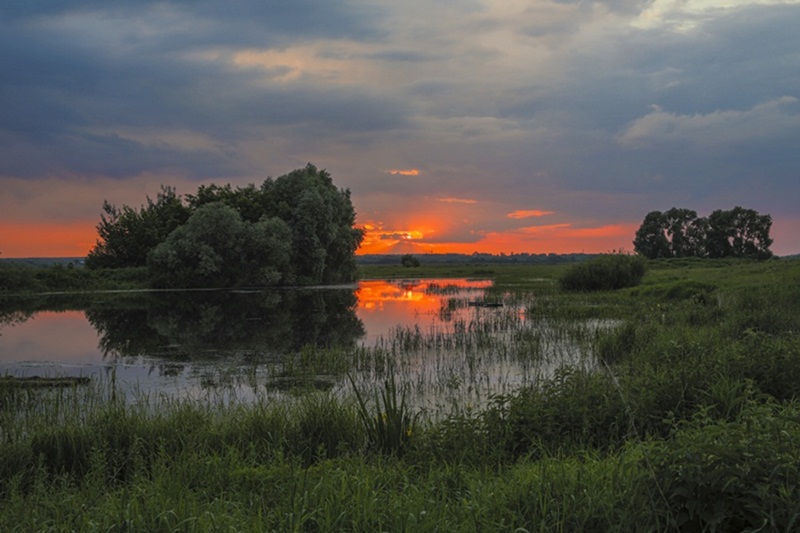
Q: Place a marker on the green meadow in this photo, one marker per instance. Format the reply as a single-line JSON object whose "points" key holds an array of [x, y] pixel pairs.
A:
{"points": [[668, 406]]}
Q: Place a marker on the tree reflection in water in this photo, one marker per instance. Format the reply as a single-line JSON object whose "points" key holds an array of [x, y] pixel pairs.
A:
{"points": [[189, 326], [186, 342]]}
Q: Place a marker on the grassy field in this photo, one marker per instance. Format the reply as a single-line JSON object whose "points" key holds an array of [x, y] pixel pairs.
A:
{"points": [[687, 421]]}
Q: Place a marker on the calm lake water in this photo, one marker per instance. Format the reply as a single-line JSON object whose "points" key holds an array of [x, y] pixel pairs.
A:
{"points": [[438, 335]]}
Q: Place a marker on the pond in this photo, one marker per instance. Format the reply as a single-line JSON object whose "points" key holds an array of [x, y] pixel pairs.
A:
{"points": [[449, 341]]}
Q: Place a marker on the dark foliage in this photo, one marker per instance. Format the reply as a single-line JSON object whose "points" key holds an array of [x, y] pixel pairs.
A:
{"points": [[127, 235], [604, 272], [296, 229], [680, 233], [409, 261]]}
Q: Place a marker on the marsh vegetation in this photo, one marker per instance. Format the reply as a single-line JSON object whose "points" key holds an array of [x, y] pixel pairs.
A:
{"points": [[669, 406]]}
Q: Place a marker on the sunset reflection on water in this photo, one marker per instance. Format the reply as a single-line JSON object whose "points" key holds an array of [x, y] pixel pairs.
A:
{"points": [[66, 343], [387, 304], [453, 340], [65, 338], [50, 336]]}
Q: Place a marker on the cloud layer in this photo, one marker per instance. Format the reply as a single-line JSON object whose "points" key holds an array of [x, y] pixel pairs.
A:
{"points": [[464, 124]]}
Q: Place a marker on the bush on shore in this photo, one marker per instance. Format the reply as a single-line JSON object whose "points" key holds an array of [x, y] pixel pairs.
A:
{"points": [[605, 273]]}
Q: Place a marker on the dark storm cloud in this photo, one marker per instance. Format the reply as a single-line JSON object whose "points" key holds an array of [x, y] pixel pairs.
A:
{"points": [[232, 21], [661, 112], [597, 111], [735, 60], [70, 95]]}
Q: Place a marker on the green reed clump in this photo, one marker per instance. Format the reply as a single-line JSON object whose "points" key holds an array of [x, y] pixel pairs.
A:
{"points": [[650, 373], [618, 343], [771, 362], [390, 423], [323, 427], [312, 360], [461, 439]]}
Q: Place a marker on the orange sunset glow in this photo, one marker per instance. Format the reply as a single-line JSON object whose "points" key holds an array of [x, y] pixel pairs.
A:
{"points": [[456, 127], [383, 305], [555, 238], [406, 172], [75, 239], [66, 239]]}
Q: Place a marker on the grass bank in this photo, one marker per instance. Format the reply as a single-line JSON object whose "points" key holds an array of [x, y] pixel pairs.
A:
{"points": [[689, 422]]}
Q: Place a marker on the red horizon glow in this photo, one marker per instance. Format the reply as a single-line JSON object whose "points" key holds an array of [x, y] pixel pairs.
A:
{"points": [[554, 238], [76, 239], [47, 239]]}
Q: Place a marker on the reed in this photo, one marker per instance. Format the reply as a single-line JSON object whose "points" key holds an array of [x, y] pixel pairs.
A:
{"points": [[389, 423]]}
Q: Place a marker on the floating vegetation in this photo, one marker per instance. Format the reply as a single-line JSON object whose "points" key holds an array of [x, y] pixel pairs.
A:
{"points": [[36, 382]]}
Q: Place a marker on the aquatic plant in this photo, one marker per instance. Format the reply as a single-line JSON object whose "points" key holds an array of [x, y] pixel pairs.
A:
{"points": [[389, 423]]}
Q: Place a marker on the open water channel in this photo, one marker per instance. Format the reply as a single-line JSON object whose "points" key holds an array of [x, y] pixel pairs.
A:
{"points": [[447, 340]]}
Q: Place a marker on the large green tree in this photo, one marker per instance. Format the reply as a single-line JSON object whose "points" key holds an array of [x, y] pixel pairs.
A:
{"points": [[677, 232], [681, 233], [651, 240], [127, 235], [322, 238], [739, 232], [322, 218], [686, 232], [217, 248]]}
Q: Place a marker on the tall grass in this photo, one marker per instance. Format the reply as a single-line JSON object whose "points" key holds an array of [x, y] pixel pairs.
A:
{"points": [[605, 272], [389, 421], [688, 422]]}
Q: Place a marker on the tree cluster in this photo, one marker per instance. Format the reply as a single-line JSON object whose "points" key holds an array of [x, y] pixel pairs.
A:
{"points": [[296, 229], [738, 232]]}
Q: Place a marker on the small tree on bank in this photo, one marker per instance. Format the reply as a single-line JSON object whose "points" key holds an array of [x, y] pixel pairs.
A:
{"points": [[681, 233], [409, 261]]}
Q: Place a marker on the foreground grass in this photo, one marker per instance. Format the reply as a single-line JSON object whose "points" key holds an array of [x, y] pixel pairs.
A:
{"points": [[690, 424]]}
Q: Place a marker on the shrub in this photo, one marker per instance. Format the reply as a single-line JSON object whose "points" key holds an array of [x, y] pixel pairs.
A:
{"points": [[740, 475], [390, 425], [605, 272], [577, 409]]}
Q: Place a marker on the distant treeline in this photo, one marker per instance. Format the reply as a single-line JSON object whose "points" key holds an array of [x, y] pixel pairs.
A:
{"points": [[379, 259], [42, 261], [442, 259]]}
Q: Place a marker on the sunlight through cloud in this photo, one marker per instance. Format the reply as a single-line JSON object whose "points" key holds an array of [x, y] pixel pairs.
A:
{"points": [[529, 213], [403, 172], [457, 200]]}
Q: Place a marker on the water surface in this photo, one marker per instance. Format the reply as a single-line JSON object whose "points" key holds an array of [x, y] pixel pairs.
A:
{"points": [[438, 335]]}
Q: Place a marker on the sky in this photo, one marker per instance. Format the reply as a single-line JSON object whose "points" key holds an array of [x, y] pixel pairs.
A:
{"points": [[544, 126]]}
